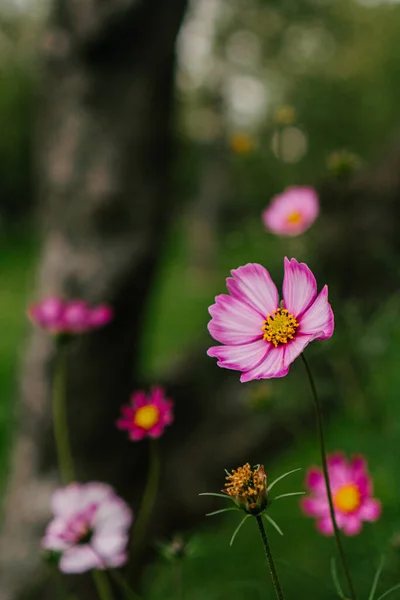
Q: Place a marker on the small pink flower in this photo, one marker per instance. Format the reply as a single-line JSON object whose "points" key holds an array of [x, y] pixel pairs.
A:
{"points": [[262, 337], [90, 527], [69, 317], [351, 491], [146, 416], [292, 212]]}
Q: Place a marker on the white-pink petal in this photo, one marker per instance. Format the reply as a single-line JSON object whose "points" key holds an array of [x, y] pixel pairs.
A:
{"points": [[242, 357], [79, 559], [111, 515], [105, 546], [299, 287], [234, 322], [271, 366], [66, 501], [253, 284], [318, 320]]}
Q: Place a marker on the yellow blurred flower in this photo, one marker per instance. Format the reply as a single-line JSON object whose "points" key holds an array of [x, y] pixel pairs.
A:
{"points": [[241, 143], [285, 115]]}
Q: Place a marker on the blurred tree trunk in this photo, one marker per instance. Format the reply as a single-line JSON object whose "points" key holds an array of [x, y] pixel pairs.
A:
{"points": [[104, 149]]}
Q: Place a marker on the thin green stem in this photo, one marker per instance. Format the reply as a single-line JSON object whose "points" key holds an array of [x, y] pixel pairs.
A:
{"points": [[102, 585], [326, 478], [178, 579], [270, 560], [148, 500], [123, 585], [60, 420]]}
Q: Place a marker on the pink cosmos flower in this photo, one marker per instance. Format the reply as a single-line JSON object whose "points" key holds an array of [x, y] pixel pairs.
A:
{"points": [[261, 336], [292, 212], [69, 317], [352, 495], [90, 527], [146, 416]]}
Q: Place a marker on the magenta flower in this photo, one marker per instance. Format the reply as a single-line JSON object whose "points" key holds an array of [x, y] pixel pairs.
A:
{"points": [[146, 416], [90, 527], [69, 317], [261, 336], [351, 491], [292, 212]]}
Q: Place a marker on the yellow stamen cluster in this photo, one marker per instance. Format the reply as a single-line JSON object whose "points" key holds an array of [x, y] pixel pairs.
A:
{"points": [[294, 218], [280, 327], [348, 498], [146, 416], [245, 483]]}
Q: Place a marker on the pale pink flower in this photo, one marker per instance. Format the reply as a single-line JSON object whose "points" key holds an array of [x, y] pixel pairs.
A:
{"points": [[69, 317], [146, 415], [262, 337], [351, 491], [90, 527], [292, 212]]}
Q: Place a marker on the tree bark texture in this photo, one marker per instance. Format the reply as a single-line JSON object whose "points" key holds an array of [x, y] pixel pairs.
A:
{"points": [[104, 150]]}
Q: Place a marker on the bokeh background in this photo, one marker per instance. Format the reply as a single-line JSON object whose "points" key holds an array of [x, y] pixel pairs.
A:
{"points": [[139, 144]]}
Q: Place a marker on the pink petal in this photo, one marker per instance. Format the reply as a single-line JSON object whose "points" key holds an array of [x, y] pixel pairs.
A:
{"points": [[299, 287], [318, 320], [138, 399], [315, 480], [48, 313], [370, 510], [76, 316], [54, 535], [79, 559], [242, 357], [253, 284], [100, 316], [295, 347], [315, 507], [136, 433], [234, 322], [352, 525], [325, 526], [271, 366]]}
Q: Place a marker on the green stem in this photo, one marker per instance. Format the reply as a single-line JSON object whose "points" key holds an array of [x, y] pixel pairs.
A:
{"points": [[326, 478], [60, 421], [123, 585], [178, 579], [102, 585], [148, 500], [270, 560]]}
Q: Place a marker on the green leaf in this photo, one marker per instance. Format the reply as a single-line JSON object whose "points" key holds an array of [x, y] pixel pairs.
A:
{"points": [[271, 485], [271, 520], [238, 528], [222, 510], [335, 578], [376, 579], [289, 494], [392, 589]]}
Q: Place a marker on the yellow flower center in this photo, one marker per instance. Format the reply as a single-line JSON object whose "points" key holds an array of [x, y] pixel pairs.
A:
{"points": [[146, 416], [280, 327], [294, 218], [347, 499], [241, 143], [245, 483]]}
